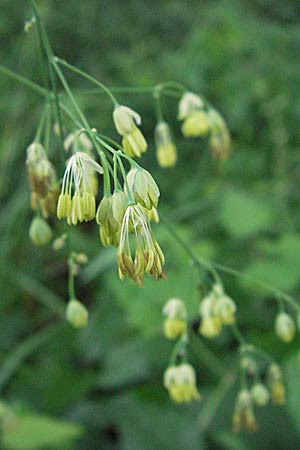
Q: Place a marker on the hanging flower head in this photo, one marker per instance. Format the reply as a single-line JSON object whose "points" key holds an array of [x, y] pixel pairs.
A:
{"points": [[148, 256], [126, 121], [76, 202], [220, 139], [165, 148], [180, 381], [143, 187], [243, 417], [191, 111], [175, 324], [42, 180]]}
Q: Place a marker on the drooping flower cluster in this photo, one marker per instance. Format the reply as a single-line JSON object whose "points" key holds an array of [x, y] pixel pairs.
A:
{"points": [[259, 393], [147, 256], [199, 119], [175, 324], [180, 381], [216, 310], [77, 202], [42, 180], [243, 418]]}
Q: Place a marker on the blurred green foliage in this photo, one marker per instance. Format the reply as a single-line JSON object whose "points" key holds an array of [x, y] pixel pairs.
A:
{"points": [[101, 388]]}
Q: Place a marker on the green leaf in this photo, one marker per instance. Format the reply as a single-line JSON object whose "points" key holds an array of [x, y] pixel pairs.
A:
{"points": [[34, 432], [243, 214]]}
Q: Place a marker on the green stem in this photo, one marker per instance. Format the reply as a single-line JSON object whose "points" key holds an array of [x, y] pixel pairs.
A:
{"points": [[105, 165], [157, 102], [88, 77], [41, 124], [179, 350], [238, 335], [212, 405], [48, 129], [131, 200], [116, 181], [102, 138], [199, 262], [275, 291], [208, 358], [71, 276], [45, 44], [30, 84]]}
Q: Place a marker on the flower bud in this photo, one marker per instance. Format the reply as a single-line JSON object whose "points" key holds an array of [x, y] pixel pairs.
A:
{"points": [[81, 258], [174, 309], [180, 381], [285, 327], [243, 417], [125, 119], [119, 205], [188, 104], [143, 187], [260, 394], [195, 125], [174, 328], [109, 227], [225, 309], [275, 382], [59, 242], [175, 324], [165, 148], [39, 232], [77, 314]]}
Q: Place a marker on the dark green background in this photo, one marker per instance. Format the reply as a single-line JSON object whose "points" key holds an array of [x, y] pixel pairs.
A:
{"points": [[244, 57]]}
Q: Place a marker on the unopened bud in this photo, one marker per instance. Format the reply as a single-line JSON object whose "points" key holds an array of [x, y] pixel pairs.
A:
{"points": [[260, 394], [59, 242], [39, 232], [81, 258], [77, 314], [225, 309], [285, 327]]}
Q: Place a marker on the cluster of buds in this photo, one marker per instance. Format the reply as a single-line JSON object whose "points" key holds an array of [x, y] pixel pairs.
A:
{"points": [[275, 383], [126, 121], [259, 394], [175, 324], [243, 417], [180, 381], [148, 256], [216, 310], [77, 201], [285, 327], [42, 180], [199, 120], [166, 152]]}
